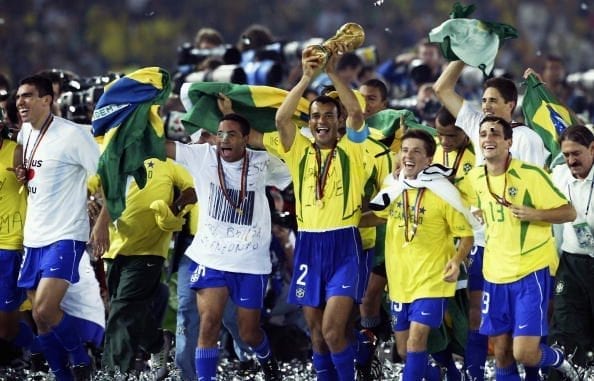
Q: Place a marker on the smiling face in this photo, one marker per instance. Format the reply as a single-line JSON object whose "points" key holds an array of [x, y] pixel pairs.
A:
{"points": [[323, 123], [32, 108], [578, 157], [230, 142], [492, 141], [494, 104], [414, 157]]}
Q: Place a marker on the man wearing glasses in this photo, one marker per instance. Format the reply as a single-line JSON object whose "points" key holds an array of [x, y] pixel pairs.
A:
{"points": [[518, 203]]}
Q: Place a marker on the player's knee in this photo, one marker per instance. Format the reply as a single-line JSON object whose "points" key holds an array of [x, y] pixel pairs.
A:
{"points": [[333, 337], [503, 355], [527, 356], [44, 314]]}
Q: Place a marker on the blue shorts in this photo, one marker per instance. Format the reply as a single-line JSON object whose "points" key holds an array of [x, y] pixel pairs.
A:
{"points": [[11, 296], [326, 264], [57, 260], [428, 311], [519, 308], [365, 267], [245, 290], [476, 280]]}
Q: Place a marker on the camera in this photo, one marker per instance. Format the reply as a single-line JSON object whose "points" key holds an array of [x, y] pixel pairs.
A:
{"points": [[583, 80], [222, 73], [188, 55], [79, 97]]}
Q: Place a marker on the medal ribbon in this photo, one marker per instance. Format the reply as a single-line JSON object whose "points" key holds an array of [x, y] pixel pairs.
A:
{"points": [[500, 200], [243, 181], [42, 132], [457, 160], [322, 172], [417, 207]]}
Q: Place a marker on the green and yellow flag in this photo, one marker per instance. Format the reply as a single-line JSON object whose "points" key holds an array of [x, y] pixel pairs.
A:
{"points": [[126, 119], [545, 114], [258, 104]]}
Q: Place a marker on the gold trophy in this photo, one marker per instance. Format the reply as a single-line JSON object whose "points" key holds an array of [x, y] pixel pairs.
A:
{"points": [[347, 38]]}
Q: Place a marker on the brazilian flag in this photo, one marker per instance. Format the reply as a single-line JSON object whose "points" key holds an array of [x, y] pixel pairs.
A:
{"points": [[390, 123], [126, 120], [545, 114], [258, 104]]}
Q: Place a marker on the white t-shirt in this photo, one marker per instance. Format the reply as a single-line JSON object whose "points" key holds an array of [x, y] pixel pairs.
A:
{"points": [[227, 240], [579, 192], [526, 143], [83, 298], [58, 169]]}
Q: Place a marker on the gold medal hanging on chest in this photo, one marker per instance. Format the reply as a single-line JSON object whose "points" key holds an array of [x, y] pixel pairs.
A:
{"points": [[322, 174], [409, 236]]}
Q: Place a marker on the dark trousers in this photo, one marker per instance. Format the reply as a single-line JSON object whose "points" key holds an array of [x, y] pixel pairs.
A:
{"points": [[132, 283], [573, 313]]}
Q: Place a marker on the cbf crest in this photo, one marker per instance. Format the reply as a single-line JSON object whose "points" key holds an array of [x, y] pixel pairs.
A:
{"points": [[512, 191], [466, 167]]}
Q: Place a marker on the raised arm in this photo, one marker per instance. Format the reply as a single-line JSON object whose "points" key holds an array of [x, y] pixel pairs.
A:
{"points": [[170, 149], [355, 119], [283, 119], [445, 87]]}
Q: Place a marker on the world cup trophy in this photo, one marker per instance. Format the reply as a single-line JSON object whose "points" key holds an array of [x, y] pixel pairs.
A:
{"points": [[347, 38]]}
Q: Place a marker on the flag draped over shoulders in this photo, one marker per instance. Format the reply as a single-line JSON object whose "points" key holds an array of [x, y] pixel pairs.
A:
{"points": [[545, 114], [126, 119], [473, 41], [258, 104]]}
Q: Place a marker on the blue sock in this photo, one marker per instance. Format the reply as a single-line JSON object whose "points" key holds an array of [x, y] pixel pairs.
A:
{"points": [[324, 367], [361, 347], [549, 357], [63, 375], [531, 373], [24, 338], [507, 374], [36, 345], [415, 366], [67, 334], [206, 363], [475, 355], [445, 359], [344, 363], [262, 351], [54, 352]]}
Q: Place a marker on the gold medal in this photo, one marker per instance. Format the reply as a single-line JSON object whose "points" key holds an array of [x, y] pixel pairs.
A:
{"points": [[320, 204], [239, 211]]}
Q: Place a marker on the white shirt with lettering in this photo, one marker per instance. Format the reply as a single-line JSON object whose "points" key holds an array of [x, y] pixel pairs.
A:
{"points": [[229, 238], [57, 188]]}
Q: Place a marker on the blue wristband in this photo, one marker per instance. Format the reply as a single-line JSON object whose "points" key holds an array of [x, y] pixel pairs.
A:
{"points": [[358, 136]]}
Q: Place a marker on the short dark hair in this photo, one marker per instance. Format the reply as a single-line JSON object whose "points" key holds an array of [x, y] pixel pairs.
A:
{"points": [[244, 124], [577, 133], [378, 84], [349, 60], [507, 128], [506, 87], [427, 139], [325, 99], [41, 82], [444, 117], [555, 58]]}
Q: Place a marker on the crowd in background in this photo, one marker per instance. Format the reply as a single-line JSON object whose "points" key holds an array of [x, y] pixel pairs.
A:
{"points": [[91, 38]]}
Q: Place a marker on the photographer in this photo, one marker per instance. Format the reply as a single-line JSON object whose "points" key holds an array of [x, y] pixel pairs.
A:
{"points": [[408, 71]]}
